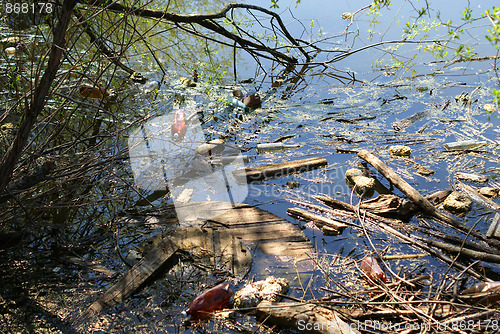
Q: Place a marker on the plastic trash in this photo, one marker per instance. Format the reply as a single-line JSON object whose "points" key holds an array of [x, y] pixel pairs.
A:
{"points": [[209, 301], [178, 129], [235, 103], [370, 267], [274, 146], [463, 145], [150, 86], [94, 92], [10, 51]]}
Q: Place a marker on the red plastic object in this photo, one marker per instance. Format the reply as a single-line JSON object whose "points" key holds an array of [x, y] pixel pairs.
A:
{"points": [[209, 301], [178, 129], [370, 267]]}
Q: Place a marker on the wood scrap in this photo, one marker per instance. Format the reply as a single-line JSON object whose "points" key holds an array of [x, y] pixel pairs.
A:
{"points": [[334, 203], [279, 169], [390, 205], [494, 229], [404, 123], [348, 120], [317, 219], [471, 177]]}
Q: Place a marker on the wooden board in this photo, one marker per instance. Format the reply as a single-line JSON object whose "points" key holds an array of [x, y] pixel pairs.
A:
{"points": [[277, 170], [217, 241]]}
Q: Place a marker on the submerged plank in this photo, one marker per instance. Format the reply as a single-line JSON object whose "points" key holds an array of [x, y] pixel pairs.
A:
{"points": [[277, 170], [136, 276]]}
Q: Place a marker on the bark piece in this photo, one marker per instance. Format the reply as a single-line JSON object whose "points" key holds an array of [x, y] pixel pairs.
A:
{"points": [[389, 205]]}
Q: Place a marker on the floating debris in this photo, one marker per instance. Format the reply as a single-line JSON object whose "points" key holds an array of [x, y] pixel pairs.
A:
{"points": [[370, 267], [94, 92], [10, 51], [471, 177], [488, 191], [477, 197], [187, 82], [252, 101], [235, 103], [464, 145], [364, 185], [213, 147], [400, 151], [150, 86], [279, 169], [209, 301], [457, 202], [292, 184], [489, 107], [424, 171], [275, 146], [178, 129], [328, 225], [404, 123], [252, 294]]}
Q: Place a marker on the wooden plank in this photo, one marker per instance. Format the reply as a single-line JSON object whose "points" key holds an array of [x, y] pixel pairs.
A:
{"points": [[246, 215], [318, 219], [277, 170], [137, 275]]}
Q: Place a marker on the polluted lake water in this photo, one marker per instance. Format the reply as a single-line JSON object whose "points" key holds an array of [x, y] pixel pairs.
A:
{"points": [[360, 198]]}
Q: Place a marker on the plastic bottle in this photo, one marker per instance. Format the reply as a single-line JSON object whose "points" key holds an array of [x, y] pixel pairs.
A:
{"points": [[178, 129], [370, 267], [150, 86], [274, 146], [235, 103], [209, 301]]}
